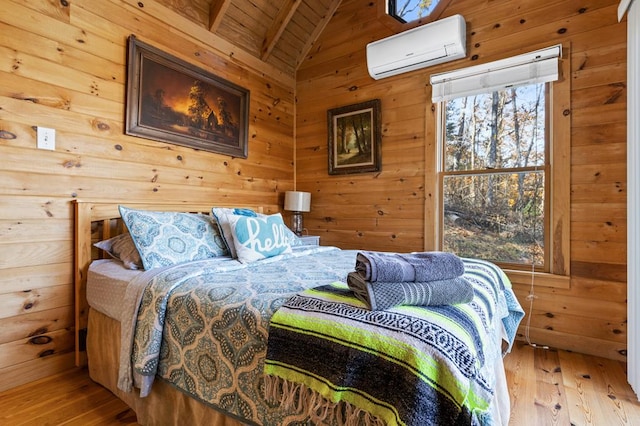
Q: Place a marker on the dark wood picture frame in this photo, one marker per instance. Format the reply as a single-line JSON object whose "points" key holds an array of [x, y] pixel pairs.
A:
{"points": [[355, 138], [173, 101]]}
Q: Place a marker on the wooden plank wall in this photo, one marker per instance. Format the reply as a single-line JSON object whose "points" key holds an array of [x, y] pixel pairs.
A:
{"points": [[386, 210], [63, 65]]}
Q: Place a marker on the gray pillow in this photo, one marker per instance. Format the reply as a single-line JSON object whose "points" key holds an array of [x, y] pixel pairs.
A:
{"points": [[121, 247]]}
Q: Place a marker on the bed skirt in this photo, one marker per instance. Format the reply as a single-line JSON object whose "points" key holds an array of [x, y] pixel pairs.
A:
{"points": [[165, 405]]}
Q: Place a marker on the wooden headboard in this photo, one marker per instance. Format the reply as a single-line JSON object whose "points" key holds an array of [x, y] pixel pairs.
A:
{"points": [[98, 220]]}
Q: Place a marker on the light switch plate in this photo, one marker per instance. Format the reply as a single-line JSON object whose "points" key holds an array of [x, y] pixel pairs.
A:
{"points": [[46, 138]]}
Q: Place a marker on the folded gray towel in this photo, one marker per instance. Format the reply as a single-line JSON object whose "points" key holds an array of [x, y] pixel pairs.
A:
{"points": [[403, 267], [381, 295]]}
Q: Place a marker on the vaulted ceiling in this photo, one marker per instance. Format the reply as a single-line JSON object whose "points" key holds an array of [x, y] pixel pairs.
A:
{"points": [[279, 32]]}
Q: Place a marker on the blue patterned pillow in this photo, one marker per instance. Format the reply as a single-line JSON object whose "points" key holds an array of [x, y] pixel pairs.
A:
{"points": [[259, 237], [167, 238], [223, 213]]}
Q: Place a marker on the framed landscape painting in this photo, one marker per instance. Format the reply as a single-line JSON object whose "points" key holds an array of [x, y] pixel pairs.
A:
{"points": [[355, 138], [172, 101]]}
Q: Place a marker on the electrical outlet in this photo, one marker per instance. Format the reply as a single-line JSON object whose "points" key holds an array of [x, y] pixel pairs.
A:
{"points": [[46, 138]]}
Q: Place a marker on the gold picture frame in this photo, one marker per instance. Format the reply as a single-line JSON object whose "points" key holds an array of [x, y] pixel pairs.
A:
{"points": [[355, 138], [171, 100]]}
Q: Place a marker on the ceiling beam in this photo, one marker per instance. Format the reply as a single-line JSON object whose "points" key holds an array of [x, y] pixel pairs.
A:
{"points": [[277, 28], [317, 31], [216, 12]]}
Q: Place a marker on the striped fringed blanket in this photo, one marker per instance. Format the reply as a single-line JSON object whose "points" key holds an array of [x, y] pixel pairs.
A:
{"points": [[338, 362]]}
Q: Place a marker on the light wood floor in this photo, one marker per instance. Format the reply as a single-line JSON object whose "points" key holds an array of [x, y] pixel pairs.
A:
{"points": [[547, 387]]}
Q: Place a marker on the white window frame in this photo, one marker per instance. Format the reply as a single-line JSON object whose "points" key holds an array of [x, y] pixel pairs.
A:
{"points": [[558, 267]]}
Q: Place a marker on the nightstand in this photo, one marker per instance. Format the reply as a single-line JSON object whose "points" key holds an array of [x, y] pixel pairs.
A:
{"points": [[310, 240]]}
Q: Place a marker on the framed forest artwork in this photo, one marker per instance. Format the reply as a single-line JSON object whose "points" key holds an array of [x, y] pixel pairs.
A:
{"points": [[173, 101], [355, 138]]}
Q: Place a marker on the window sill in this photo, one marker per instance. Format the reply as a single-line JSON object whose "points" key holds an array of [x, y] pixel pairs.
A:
{"points": [[540, 279]]}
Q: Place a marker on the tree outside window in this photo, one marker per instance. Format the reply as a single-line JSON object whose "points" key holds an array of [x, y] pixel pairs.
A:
{"points": [[495, 176], [411, 10]]}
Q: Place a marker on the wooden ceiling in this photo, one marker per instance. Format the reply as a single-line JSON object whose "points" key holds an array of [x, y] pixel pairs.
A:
{"points": [[279, 32]]}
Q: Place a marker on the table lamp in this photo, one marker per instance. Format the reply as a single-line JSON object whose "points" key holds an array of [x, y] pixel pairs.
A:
{"points": [[297, 202]]}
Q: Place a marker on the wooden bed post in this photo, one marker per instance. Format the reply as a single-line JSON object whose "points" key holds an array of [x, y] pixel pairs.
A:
{"points": [[82, 246]]}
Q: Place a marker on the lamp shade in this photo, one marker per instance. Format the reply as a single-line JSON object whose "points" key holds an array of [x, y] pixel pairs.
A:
{"points": [[297, 201]]}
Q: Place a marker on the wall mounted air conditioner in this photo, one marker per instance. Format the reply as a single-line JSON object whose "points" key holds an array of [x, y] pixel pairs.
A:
{"points": [[434, 43]]}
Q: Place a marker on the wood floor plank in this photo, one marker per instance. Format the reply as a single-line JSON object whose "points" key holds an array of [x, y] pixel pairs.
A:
{"points": [[550, 399], [522, 379], [546, 387], [113, 411], [589, 401], [68, 406], [577, 383], [13, 405], [607, 379], [33, 393], [66, 398]]}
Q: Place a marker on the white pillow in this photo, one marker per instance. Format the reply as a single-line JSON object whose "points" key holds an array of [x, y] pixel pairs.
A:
{"points": [[259, 237], [221, 213]]}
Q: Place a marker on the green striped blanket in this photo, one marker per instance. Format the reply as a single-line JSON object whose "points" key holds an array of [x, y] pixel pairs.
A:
{"points": [[408, 365]]}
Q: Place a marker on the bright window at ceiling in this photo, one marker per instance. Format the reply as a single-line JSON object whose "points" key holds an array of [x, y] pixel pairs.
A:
{"points": [[411, 10], [494, 174]]}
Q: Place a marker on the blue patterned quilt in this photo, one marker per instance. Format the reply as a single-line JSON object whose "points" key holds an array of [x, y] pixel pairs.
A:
{"points": [[204, 327]]}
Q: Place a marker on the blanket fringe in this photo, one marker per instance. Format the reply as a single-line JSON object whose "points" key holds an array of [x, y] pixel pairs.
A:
{"points": [[302, 400]]}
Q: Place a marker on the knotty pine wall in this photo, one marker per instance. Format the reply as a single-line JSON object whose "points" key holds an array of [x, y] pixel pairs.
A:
{"points": [[392, 209], [63, 65]]}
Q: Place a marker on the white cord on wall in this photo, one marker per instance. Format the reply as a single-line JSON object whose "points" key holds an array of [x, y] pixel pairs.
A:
{"points": [[532, 296]]}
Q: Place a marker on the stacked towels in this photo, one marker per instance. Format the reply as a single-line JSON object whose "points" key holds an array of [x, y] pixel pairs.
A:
{"points": [[384, 280]]}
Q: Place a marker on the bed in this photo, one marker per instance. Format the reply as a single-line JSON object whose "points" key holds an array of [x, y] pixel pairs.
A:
{"points": [[189, 342]]}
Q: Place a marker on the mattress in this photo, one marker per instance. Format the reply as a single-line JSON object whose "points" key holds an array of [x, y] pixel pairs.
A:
{"points": [[107, 283], [108, 279]]}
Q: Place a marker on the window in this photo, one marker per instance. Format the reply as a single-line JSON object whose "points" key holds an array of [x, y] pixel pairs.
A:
{"points": [[503, 193], [411, 10], [494, 169]]}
